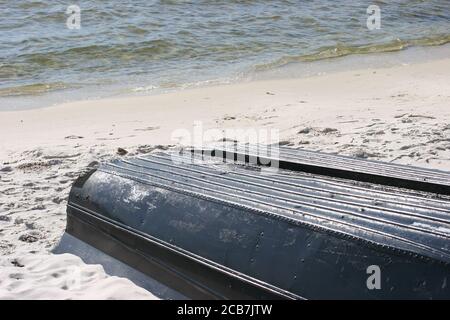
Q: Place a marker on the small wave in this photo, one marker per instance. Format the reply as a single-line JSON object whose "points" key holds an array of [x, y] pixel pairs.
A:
{"points": [[136, 30], [32, 89], [125, 51], [341, 51], [144, 89], [32, 5]]}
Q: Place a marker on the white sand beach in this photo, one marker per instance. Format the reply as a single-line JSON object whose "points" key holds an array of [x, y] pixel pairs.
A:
{"points": [[398, 114]]}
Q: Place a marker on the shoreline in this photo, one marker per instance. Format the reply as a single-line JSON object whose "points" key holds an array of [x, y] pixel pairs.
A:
{"points": [[289, 70], [151, 119], [396, 114]]}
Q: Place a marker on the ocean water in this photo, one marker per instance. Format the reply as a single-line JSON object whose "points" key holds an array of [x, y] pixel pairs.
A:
{"points": [[144, 46]]}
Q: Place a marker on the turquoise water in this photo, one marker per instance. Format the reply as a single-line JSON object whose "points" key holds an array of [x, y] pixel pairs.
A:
{"points": [[136, 46]]}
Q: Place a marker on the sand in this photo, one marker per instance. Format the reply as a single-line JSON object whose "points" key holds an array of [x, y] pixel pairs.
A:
{"points": [[398, 114]]}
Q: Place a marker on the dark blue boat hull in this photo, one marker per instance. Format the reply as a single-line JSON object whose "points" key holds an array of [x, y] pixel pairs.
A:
{"points": [[222, 232]]}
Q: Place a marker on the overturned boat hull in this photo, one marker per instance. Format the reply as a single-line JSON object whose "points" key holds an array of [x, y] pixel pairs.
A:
{"points": [[209, 229]]}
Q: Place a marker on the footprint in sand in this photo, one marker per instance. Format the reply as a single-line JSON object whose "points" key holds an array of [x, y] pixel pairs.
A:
{"points": [[363, 154], [16, 276], [107, 139], [147, 129], [329, 130], [420, 116], [58, 200], [6, 169], [62, 155], [349, 121], [39, 165], [304, 130], [38, 207], [31, 237], [374, 133], [30, 225], [5, 218]]}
